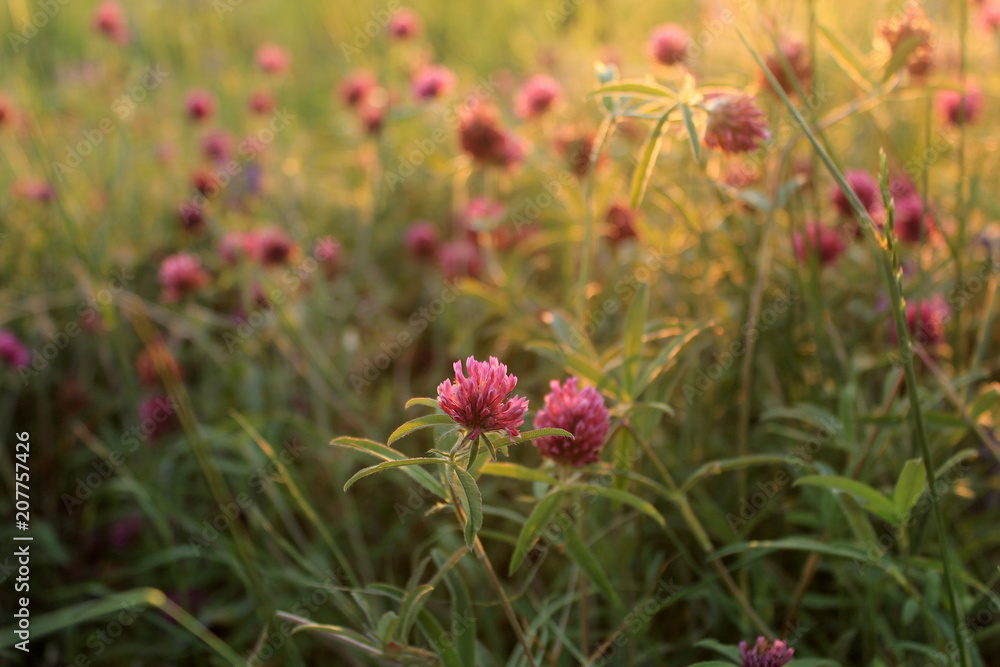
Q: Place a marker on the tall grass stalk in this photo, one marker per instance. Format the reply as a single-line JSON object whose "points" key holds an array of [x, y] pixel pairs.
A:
{"points": [[889, 259]]}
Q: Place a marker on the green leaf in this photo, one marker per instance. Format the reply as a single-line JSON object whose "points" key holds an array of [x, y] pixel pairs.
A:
{"points": [[634, 324], [644, 170], [426, 402], [584, 557], [725, 465], [516, 471], [666, 356], [636, 89], [576, 364], [871, 499], [625, 497], [338, 633], [501, 441], [386, 465], [136, 598], [693, 139], [857, 520], [463, 620], [730, 652], [846, 56], [419, 423], [472, 503], [909, 486], [377, 449], [533, 527], [795, 544], [413, 603]]}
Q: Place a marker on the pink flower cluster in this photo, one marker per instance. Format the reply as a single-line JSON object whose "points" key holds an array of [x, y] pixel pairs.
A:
{"points": [[581, 412], [13, 352], [479, 402], [766, 653]]}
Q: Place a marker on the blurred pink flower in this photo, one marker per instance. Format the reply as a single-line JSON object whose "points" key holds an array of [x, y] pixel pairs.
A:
{"points": [[217, 145], [109, 20], [669, 44], [404, 24], [827, 242], [989, 15], [735, 123], [432, 81], [581, 412], [7, 112], [206, 182], [480, 133], [959, 109], [480, 402], [34, 189], [621, 217], [260, 102], [124, 532], [357, 87], [925, 319], [867, 190], [766, 653], [157, 417], [914, 32], [422, 239], [273, 59], [330, 256], [576, 146], [233, 245], [458, 259], [200, 104], [797, 54], [145, 365], [482, 136], [909, 210], [13, 352], [181, 275], [270, 246], [538, 94], [191, 216]]}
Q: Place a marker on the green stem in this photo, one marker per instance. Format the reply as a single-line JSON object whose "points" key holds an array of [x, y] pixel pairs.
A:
{"points": [[588, 214]]}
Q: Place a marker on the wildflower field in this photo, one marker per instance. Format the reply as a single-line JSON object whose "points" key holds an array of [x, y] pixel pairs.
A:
{"points": [[570, 332]]}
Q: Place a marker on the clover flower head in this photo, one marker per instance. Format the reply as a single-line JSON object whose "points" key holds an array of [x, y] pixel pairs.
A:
{"points": [[581, 412], [766, 653], [480, 402]]}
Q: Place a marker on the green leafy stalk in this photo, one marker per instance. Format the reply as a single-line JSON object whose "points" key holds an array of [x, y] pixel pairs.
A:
{"points": [[889, 257]]}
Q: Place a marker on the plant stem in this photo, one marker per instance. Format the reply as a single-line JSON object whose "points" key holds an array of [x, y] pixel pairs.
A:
{"points": [[588, 214]]}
